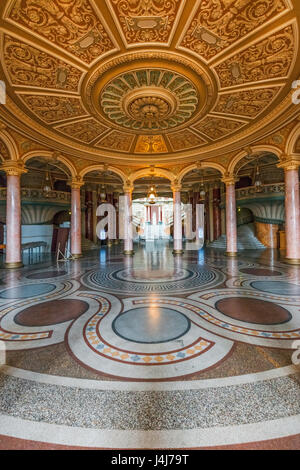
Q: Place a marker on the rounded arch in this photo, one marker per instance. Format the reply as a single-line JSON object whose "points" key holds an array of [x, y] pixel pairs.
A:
{"points": [[10, 144], [199, 166], [113, 169], [158, 172], [49, 155], [292, 140], [255, 149]]}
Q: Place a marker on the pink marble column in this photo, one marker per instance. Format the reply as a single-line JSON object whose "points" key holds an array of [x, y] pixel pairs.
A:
{"points": [[128, 232], [177, 222], [13, 220], [76, 220], [292, 215], [231, 227]]}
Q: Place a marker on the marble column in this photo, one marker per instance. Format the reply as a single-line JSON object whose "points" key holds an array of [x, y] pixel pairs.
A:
{"points": [[76, 218], [177, 222], [231, 226], [292, 214], [116, 206], [13, 214], [89, 215], [217, 212], [128, 232]]}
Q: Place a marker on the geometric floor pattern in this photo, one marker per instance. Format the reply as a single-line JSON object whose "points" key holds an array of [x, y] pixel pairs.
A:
{"points": [[150, 351]]}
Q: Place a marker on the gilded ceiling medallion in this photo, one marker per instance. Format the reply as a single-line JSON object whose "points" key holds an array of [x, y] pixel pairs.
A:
{"points": [[149, 100]]}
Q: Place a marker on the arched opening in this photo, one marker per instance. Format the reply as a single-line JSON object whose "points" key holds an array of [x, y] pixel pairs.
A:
{"points": [[44, 194], [260, 201], [203, 186], [152, 209], [101, 186]]}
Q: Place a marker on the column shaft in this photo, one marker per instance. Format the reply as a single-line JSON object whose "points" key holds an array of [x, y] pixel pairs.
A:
{"points": [[231, 228], [76, 223], [177, 223], [292, 216], [13, 222]]}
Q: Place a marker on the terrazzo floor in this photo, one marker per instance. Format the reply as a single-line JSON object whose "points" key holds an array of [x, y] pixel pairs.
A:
{"points": [[153, 351]]}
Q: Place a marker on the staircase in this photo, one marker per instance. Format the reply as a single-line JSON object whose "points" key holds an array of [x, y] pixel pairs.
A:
{"points": [[88, 245], [246, 240]]}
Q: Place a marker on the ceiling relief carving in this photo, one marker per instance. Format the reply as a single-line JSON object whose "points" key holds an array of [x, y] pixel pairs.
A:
{"points": [[72, 25], [117, 140], [151, 144], [85, 131], [146, 20], [4, 152], [217, 24], [215, 128], [270, 58], [52, 108], [31, 67], [184, 139], [248, 103], [149, 100], [149, 82]]}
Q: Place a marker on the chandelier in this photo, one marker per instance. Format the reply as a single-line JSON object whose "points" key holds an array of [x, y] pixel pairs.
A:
{"points": [[47, 186], [258, 184], [152, 195]]}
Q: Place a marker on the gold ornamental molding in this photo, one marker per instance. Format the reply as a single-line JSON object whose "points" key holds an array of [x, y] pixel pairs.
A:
{"points": [[291, 162], [13, 168], [230, 180]]}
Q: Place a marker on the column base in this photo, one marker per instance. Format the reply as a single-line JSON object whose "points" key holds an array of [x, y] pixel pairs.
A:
{"points": [[231, 254], [128, 252], [177, 252], [294, 261], [13, 265], [77, 256], [109, 244], [116, 242]]}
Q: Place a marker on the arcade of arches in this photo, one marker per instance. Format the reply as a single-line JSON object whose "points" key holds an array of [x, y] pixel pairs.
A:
{"points": [[170, 340]]}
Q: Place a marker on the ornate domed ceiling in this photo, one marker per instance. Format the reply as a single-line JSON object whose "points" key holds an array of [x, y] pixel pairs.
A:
{"points": [[148, 80]]}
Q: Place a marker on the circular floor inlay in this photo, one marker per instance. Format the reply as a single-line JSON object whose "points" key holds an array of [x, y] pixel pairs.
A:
{"points": [[49, 313], [260, 272], [253, 311], [46, 274], [279, 288], [24, 292], [151, 324]]}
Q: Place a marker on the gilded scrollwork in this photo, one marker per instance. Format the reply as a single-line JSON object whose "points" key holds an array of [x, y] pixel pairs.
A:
{"points": [[246, 103], [146, 20], [117, 140], [86, 131], [70, 24], [4, 152], [51, 108], [184, 139], [151, 144], [28, 66], [215, 128], [219, 23], [270, 58]]}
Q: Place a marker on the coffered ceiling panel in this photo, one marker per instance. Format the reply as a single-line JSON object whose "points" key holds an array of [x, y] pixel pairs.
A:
{"points": [[267, 59], [146, 21], [28, 66], [86, 131], [217, 24], [147, 81], [73, 25], [53, 108]]}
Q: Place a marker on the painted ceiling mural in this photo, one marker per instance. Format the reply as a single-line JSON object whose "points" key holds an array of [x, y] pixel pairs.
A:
{"points": [[141, 80]]}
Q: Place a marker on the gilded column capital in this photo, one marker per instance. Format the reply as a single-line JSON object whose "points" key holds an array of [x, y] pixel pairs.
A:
{"points": [[76, 183], [289, 162], [176, 187], [128, 188], [13, 167], [229, 180]]}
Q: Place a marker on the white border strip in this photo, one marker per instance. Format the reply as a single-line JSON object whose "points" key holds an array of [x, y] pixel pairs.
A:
{"points": [[117, 439], [148, 386]]}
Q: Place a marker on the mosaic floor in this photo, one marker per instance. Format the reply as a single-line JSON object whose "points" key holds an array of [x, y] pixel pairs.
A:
{"points": [[153, 351]]}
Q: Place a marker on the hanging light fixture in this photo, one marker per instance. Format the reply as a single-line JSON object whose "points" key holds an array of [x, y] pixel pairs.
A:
{"points": [[102, 193], [152, 195], [202, 189], [258, 185], [47, 186]]}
